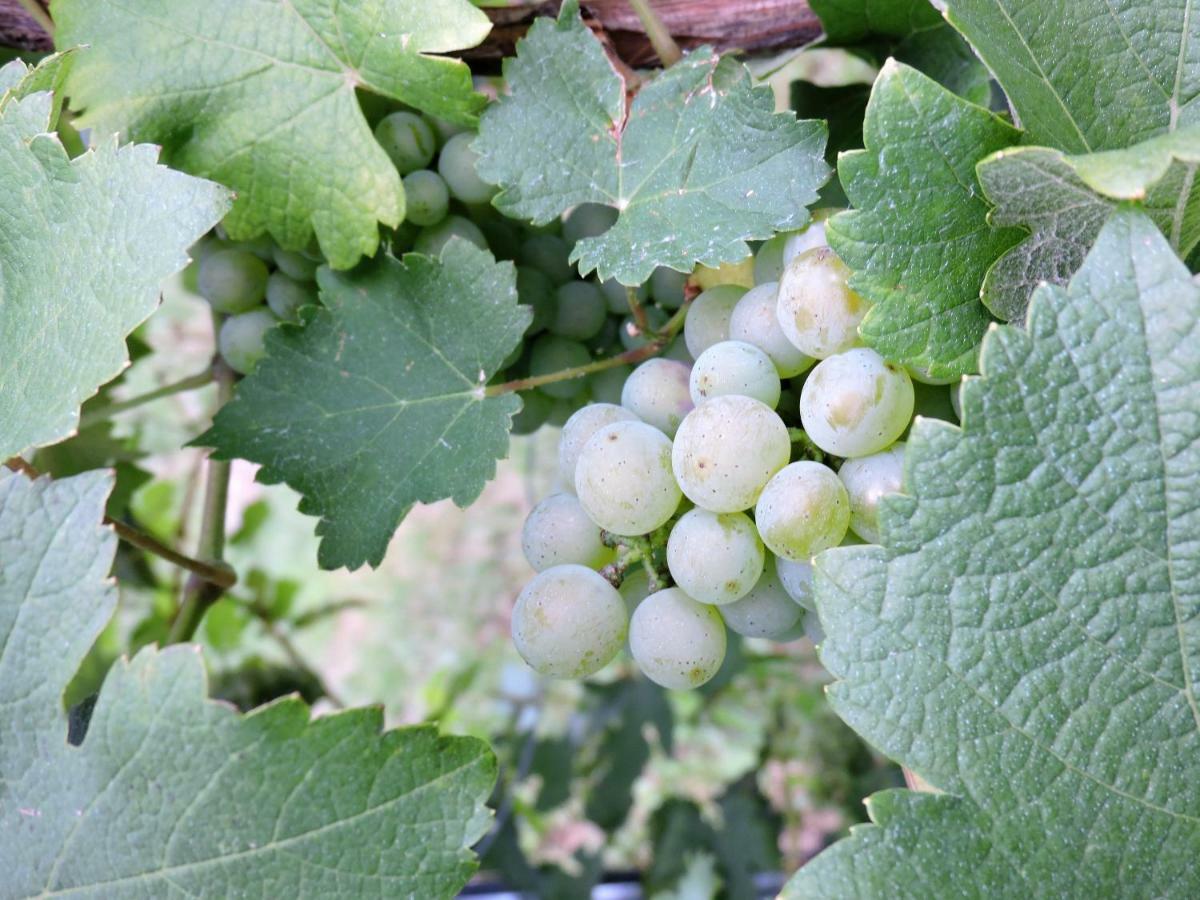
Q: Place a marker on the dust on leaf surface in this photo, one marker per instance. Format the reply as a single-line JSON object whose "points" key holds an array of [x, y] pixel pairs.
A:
{"points": [[917, 238], [1028, 637], [84, 245], [260, 96], [171, 794], [377, 402], [698, 165]]}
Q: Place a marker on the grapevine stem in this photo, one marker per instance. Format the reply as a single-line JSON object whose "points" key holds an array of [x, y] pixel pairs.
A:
{"points": [[200, 379], [660, 39], [215, 573], [639, 311], [807, 447], [38, 13], [294, 656]]}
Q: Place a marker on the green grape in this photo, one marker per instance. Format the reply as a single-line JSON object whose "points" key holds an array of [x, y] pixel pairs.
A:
{"points": [[855, 403], [632, 337], [678, 351], [587, 220], [734, 367], [635, 588], [802, 511], [677, 642], [285, 296], [443, 129], [535, 290], [866, 480], [607, 340], [956, 400], [579, 310], [768, 261], [813, 630], [557, 531], [618, 299], [756, 322], [807, 238], [578, 430], [433, 239], [767, 611], [408, 140], [607, 384], [658, 393], [426, 197], [726, 450], [623, 478], [562, 410], [568, 622], [262, 247], [296, 266], [547, 253], [241, 340], [715, 558], [707, 321], [232, 280], [550, 354], [817, 310], [535, 409], [456, 165], [666, 287], [797, 579]]}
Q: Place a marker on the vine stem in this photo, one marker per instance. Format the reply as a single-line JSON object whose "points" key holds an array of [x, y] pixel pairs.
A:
{"points": [[103, 413], [38, 13], [215, 573], [292, 653], [660, 38], [639, 311]]}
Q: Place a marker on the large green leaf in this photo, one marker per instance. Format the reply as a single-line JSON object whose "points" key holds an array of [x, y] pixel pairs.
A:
{"points": [[1064, 200], [260, 96], [172, 795], [699, 164], [1088, 75], [850, 21], [377, 402], [1028, 637], [84, 244], [918, 237]]}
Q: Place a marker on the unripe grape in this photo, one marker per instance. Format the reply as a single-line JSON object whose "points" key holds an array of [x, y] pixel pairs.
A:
{"points": [[715, 558], [667, 286], [755, 321], [677, 642], [734, 367], [241, 340], [557, 531], [817, 310], [707, 321], [579, 310], [456, 165], [285, 296], [855, 403], [623, 478], [407, 139], [433, 239], [587, 220], [607, 384], [535, 409], [802, 511], [536, 291], [797, 579], [550, 354], [766, 611], [726, 450], [548, 253], [867, 479], [578, 430], [802, 241], [768, 261], [232, 280], [568, 622], [658, 393], [426, 197], [295, 265]]}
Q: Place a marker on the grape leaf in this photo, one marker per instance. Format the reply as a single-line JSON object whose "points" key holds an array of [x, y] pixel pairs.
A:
{"points": [[1089, 75], [174, 795], [19, 80], [84, 244], [261, 97], [918, 238], [1064, 200], [850, 21], [377, 402], [700, 164], [1027, 637]]}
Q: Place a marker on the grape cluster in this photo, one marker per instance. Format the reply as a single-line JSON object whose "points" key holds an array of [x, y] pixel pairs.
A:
{"points": [[696, 503]]}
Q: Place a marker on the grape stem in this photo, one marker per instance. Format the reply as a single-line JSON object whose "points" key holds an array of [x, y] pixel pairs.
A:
{"points": [[216, 573], [808, 449], [660, 38], [638, 311], [289, 649], [38, 13], [103, 413]]}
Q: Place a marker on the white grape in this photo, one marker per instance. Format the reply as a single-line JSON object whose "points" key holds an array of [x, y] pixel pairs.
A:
{"points": [[286, 296], [802, 511], [569, 622], [232, 280], [295, 265], [802, 241], [456, 164], [635, 588], [768, 261], [817, 310], [558, 531], [715, 558], [735, 367], [242, 339], [432, 240], [677, 642], [407, 139], [426, 197], [856, 403], [658, 393], [707, 321], [726, 450], [766, 611], [578, 430], [755, 321], [867, 479], [623, 478], [797, 579], [956, 399]]}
